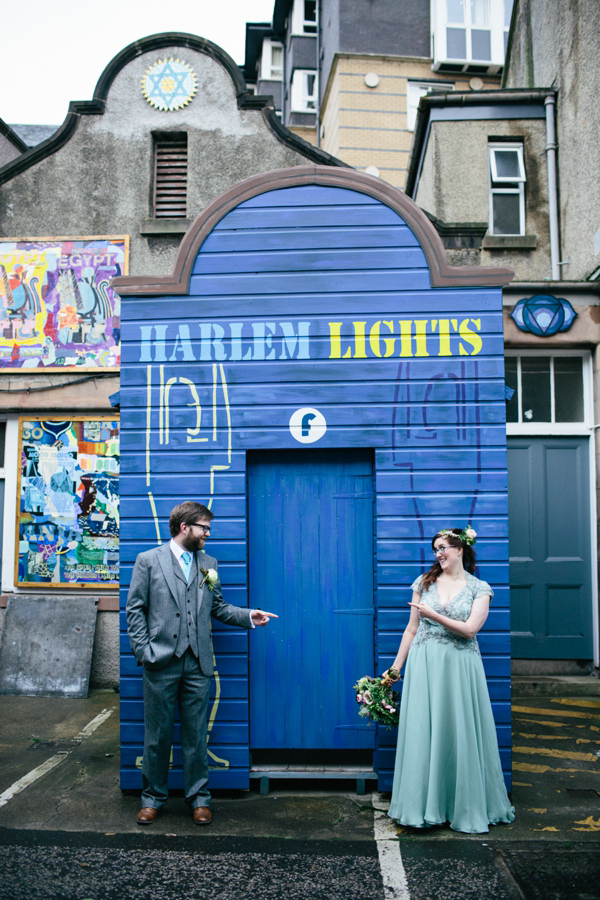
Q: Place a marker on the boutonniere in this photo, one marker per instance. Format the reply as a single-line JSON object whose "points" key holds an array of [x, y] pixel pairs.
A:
{"points": [[210, 578]]}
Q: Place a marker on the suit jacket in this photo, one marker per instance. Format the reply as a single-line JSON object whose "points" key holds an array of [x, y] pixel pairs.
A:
{"points": [[154, 616]]}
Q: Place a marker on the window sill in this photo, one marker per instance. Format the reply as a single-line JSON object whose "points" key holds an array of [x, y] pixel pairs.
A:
{"points": [[156, 227], [509, 242]]}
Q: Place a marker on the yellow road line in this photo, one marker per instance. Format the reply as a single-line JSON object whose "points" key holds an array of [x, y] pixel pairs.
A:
{"points": [[541, 722], [557, 754], [569, 713], [571, 701], [545, 737], [530, 767]]}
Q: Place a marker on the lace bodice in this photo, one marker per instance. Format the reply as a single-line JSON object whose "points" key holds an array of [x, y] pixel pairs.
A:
{"points": [[459, 608]]}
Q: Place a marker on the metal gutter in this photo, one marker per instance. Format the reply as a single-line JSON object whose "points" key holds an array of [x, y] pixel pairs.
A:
{"points": [[550, 104]]}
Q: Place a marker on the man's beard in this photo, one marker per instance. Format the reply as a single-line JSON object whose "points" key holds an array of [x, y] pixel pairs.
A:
{"points": [[192, 544]]}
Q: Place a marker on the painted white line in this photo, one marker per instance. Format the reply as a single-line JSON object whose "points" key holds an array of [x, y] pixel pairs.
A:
{"points": [[395, 885], [95, 723], [47, 766]]}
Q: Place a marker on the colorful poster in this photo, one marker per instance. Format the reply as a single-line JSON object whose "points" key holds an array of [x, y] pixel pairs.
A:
{"points": [[68, 518], [57, 309]]}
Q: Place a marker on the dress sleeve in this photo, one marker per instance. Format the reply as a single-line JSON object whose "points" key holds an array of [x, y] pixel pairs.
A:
{"points": [[416, 585], [482, 589]]}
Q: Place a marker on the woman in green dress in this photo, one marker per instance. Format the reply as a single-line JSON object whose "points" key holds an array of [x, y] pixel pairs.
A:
{"points": [[447, 762]]}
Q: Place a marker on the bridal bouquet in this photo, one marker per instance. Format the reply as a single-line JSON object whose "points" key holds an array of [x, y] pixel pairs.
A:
{"points": [[377, 700]]}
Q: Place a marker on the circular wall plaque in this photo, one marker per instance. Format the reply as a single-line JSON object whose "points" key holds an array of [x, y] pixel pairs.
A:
{"points": [[169, 84]]}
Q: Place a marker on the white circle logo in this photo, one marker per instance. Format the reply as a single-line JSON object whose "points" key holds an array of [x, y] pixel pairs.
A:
{"points": [[307, 425]]}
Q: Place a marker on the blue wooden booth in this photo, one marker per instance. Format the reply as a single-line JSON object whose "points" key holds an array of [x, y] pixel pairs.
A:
{"points": [[316, 373]]}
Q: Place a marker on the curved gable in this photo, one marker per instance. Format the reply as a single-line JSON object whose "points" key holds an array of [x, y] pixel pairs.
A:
{"points": [[157, 42], [441, 273]]}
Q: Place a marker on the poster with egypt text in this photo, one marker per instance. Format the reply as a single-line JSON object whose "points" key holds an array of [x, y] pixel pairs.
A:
{"points": [[68, 510], [57, 309]]}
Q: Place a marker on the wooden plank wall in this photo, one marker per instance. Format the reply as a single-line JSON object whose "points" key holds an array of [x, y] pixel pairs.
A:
{"points": [[312, 296]]}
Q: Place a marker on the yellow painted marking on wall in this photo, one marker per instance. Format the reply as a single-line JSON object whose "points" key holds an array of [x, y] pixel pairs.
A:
{"points": [[155, 517], [214, 401], [570, 713], [530, 767], [192, 432], [214, 469], [590, 823], [161, 403], [213, 715], [533, 809], [557, 754], [168, 387], [227, 410], [148, 421], [547, 828], [570, 701]]}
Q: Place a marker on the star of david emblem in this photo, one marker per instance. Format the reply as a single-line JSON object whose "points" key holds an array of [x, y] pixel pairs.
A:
{"points": [[169, 84]]}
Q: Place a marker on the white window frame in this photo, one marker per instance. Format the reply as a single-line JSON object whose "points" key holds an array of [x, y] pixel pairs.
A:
{"points": [[440, 22], [514, 185], [302, 25], [417, 89], [299, 95], [269, 72], [556, 428]]}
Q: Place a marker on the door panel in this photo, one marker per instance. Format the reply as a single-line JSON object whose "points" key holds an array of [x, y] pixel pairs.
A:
{"points": [[320, 583], [550, 548]]}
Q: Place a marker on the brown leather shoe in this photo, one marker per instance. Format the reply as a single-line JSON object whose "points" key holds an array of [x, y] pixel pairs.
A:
{"points": [[202, 815], [147, 815]]}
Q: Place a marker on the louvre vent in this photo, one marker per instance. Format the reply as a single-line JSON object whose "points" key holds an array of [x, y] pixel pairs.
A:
{"points": [[170, 177]]}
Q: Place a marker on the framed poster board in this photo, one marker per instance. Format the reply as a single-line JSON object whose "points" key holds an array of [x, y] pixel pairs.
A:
{"points": [[68, 502], [57, 310]]}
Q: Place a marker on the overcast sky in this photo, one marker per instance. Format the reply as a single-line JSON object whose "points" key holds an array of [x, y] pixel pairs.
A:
{"points": [[54, 51]]}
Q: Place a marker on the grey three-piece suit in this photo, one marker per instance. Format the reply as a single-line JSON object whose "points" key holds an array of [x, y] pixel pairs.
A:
{"points": [[168, 622]]}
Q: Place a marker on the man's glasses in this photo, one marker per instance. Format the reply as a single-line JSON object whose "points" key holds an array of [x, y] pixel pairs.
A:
{"points": [[205, 528], [441, 550]]}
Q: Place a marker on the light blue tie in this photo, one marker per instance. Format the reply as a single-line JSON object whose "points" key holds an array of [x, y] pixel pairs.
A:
{"points": [[186, 559]]}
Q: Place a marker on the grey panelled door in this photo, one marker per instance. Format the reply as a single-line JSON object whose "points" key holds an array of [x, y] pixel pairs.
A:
{"points": [[550, 547]]}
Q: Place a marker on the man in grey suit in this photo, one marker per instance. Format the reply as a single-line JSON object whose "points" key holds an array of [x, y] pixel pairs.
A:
{"points": [[175, 589]]}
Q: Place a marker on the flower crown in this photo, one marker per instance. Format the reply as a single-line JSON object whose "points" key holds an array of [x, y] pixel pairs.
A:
{"points": [[467, 535]]}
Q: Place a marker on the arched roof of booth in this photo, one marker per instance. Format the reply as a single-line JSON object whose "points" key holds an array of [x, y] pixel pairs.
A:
{"points": [[96, 106], [441, 273]]}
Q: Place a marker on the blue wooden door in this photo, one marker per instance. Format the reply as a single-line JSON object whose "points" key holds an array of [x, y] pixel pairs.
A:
{"points": [[310, 542], [550, 547]]}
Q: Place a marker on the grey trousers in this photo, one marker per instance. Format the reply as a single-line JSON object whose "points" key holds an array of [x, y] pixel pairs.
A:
{"points": [[179, 681]]}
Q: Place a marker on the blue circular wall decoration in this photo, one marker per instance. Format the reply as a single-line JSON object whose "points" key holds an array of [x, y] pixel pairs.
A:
{"points": [[543, 315]]}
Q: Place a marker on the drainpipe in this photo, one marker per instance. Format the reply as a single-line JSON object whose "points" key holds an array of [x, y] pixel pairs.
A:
{"points": [[549, 103], [318, 122]]}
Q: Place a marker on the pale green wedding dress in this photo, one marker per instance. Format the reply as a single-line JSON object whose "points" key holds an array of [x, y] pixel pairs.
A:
{"points": [[447, 763]]}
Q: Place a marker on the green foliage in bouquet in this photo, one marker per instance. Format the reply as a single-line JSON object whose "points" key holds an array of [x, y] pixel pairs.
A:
{"points": [[377, 701]]}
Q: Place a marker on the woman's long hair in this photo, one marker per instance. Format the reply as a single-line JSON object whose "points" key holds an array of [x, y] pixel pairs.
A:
{"points": [[453, 538]]}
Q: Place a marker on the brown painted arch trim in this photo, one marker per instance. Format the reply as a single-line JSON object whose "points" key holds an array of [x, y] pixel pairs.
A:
{"points": [[441, 274], [96, 106]]}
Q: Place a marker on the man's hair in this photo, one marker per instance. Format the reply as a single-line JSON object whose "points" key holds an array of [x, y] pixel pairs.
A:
{"points": [[188, 513]]}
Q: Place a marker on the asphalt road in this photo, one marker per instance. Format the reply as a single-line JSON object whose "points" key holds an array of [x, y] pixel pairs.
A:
{"points": [[71, 834], [70, 866]]}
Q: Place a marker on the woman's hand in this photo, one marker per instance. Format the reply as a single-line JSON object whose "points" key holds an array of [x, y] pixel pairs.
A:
{"points": [[390, 676], [424, 609]]}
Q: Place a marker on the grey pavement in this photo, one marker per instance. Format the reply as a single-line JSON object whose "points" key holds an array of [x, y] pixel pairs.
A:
{"points": [[72, 834]]}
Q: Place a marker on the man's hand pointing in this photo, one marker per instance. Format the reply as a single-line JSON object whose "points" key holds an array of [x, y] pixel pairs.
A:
{"points": [[261, 618]]}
